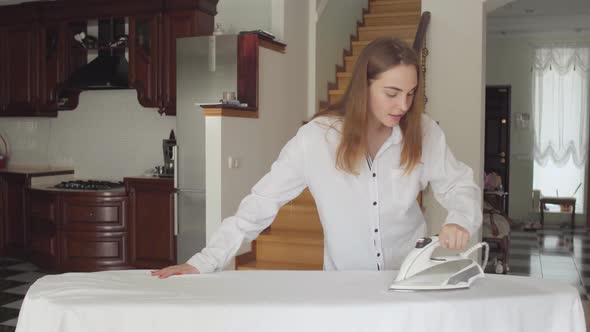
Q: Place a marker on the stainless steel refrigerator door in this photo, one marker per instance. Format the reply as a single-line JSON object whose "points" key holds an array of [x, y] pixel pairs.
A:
{"points": [[190, 223]]}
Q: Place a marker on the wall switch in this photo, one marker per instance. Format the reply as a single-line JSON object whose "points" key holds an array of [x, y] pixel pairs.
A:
{"points": [[233, 162]]}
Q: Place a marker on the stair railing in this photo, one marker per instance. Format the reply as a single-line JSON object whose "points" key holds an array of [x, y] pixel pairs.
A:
{"points": [[422, 51]]}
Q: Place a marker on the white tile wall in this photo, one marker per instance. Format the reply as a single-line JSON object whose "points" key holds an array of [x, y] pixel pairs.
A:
{"points": [[109, 136]]}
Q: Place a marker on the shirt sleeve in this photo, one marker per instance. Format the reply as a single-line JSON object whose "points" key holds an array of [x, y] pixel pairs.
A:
{"points": [[451, 180], [284, 182]]}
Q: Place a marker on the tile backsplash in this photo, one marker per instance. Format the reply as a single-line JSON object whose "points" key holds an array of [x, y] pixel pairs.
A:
{"points": [[109, 136]]}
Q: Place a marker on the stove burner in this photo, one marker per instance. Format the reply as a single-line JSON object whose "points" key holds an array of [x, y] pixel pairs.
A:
{"points": [[89, 185]]}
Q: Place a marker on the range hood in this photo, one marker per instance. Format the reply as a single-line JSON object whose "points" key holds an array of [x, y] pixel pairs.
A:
{"points": [[105, 72], [109, 69]]}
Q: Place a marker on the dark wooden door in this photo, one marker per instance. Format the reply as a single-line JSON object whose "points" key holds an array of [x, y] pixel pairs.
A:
{"points": [[497, 133], [151, 223], [20, 62], [144, 57]]}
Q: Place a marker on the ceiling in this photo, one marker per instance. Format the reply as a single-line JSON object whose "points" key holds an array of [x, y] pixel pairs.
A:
{"points": [[528, 8], [540, 16]]}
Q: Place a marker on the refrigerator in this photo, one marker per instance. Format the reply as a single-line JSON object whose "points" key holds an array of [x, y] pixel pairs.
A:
{"points": [[206, 67]]}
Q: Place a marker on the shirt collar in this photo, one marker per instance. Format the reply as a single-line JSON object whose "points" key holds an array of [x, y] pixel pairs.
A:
{"points": [[396, 135]]}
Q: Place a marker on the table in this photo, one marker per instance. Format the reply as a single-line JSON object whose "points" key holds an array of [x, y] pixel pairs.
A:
{"points": [[298, 301], [562, 201]]}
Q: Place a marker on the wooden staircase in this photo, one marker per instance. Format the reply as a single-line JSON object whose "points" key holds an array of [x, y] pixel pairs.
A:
{"points": [[294, 241]]}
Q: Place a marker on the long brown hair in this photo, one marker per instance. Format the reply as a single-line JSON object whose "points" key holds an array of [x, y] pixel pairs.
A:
{"points": [[379, 56]]}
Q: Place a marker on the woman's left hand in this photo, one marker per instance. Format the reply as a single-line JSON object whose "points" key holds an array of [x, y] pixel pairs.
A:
{"points": [[453, 236]]}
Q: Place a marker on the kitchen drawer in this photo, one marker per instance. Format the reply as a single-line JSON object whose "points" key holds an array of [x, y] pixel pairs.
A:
{"points": [[94, 214], [42, 205], [85, 251]]}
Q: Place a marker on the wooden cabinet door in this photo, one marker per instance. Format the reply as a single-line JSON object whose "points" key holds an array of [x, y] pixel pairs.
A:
{"points": [[21, 69], [151, 223], [42, 214], [14, 207], [3, 71], [144, 58], [52, 57]]}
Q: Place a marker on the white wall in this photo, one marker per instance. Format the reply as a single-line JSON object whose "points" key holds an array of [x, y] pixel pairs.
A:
{"points": [[509, 62], [256, 143], [240, 15], [455, 83], [335, 25], [108, 136]]}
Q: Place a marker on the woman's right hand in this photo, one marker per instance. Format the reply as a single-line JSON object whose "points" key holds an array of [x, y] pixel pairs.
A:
{"points": [[175, 270]]}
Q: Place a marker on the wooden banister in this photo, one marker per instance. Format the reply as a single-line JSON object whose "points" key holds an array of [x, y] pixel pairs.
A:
{"points": [[421, 32]]}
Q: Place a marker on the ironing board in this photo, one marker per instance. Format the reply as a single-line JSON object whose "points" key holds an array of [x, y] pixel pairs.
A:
{"points": [[292, 301]]}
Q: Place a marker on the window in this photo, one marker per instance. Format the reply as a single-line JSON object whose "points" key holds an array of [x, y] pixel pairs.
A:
{"points": [[560, 117]]}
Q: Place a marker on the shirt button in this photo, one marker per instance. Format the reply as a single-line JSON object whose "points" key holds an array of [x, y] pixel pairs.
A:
{"points": [[376, 230], [374, 203], [378, 254], [374, 175]]}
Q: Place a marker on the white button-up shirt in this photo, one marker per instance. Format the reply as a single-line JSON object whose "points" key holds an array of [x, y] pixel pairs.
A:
{"points": [[371, 220]]}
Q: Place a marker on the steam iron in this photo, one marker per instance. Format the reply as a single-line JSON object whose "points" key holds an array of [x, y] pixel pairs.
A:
{"points": [[420, 271]]}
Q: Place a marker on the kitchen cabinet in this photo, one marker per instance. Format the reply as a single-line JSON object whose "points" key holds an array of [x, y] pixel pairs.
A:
{"points": [[178, 24], [145, 57], [43, 218], [153, 53], [37, 56], [14, 226], [151, 222], [14, 207], [78, 230], [20, 69]]}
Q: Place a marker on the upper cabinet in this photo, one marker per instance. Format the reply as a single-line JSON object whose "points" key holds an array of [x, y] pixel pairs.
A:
{"points": [[38, 53]]}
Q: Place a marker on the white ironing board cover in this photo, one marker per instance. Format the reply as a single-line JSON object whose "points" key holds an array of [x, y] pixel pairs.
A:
{"points": [[292, 301]]}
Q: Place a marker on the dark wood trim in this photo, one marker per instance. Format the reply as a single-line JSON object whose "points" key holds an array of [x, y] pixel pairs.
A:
{"points": [[230, 107], [60, 10], [248, 69], [273, 45], [107, 194], [35, 173], [421, 32], [231, 112]]}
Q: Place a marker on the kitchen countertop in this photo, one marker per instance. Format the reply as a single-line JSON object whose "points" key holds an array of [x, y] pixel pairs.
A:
{"points": [[103, 192], [34, 171]]}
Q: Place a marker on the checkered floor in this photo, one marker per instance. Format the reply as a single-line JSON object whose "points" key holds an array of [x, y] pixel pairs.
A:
{"points": [[551, 253], [15, 278]]}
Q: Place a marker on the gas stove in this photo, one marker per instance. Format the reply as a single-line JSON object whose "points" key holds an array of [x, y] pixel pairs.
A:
{"points": [[89, 185]]}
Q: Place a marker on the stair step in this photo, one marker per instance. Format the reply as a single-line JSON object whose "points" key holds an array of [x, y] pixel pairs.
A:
{"points": [[298, 217], [290, 247], [335, 95], [291, 237], [262, 265], [359, 45], [411, 6], [402, 32], [343, 78], [383, 19]]}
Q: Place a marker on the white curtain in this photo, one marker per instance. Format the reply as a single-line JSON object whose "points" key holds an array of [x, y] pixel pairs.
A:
{"points": [[560, 118], [560, 104]]}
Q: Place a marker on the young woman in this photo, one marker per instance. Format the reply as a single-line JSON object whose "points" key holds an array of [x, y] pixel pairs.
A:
{"points": [[364, 160]]}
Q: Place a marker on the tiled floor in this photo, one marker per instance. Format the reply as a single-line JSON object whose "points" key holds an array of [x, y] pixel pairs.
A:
{"points": [[552, 253], [15, 278]]}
